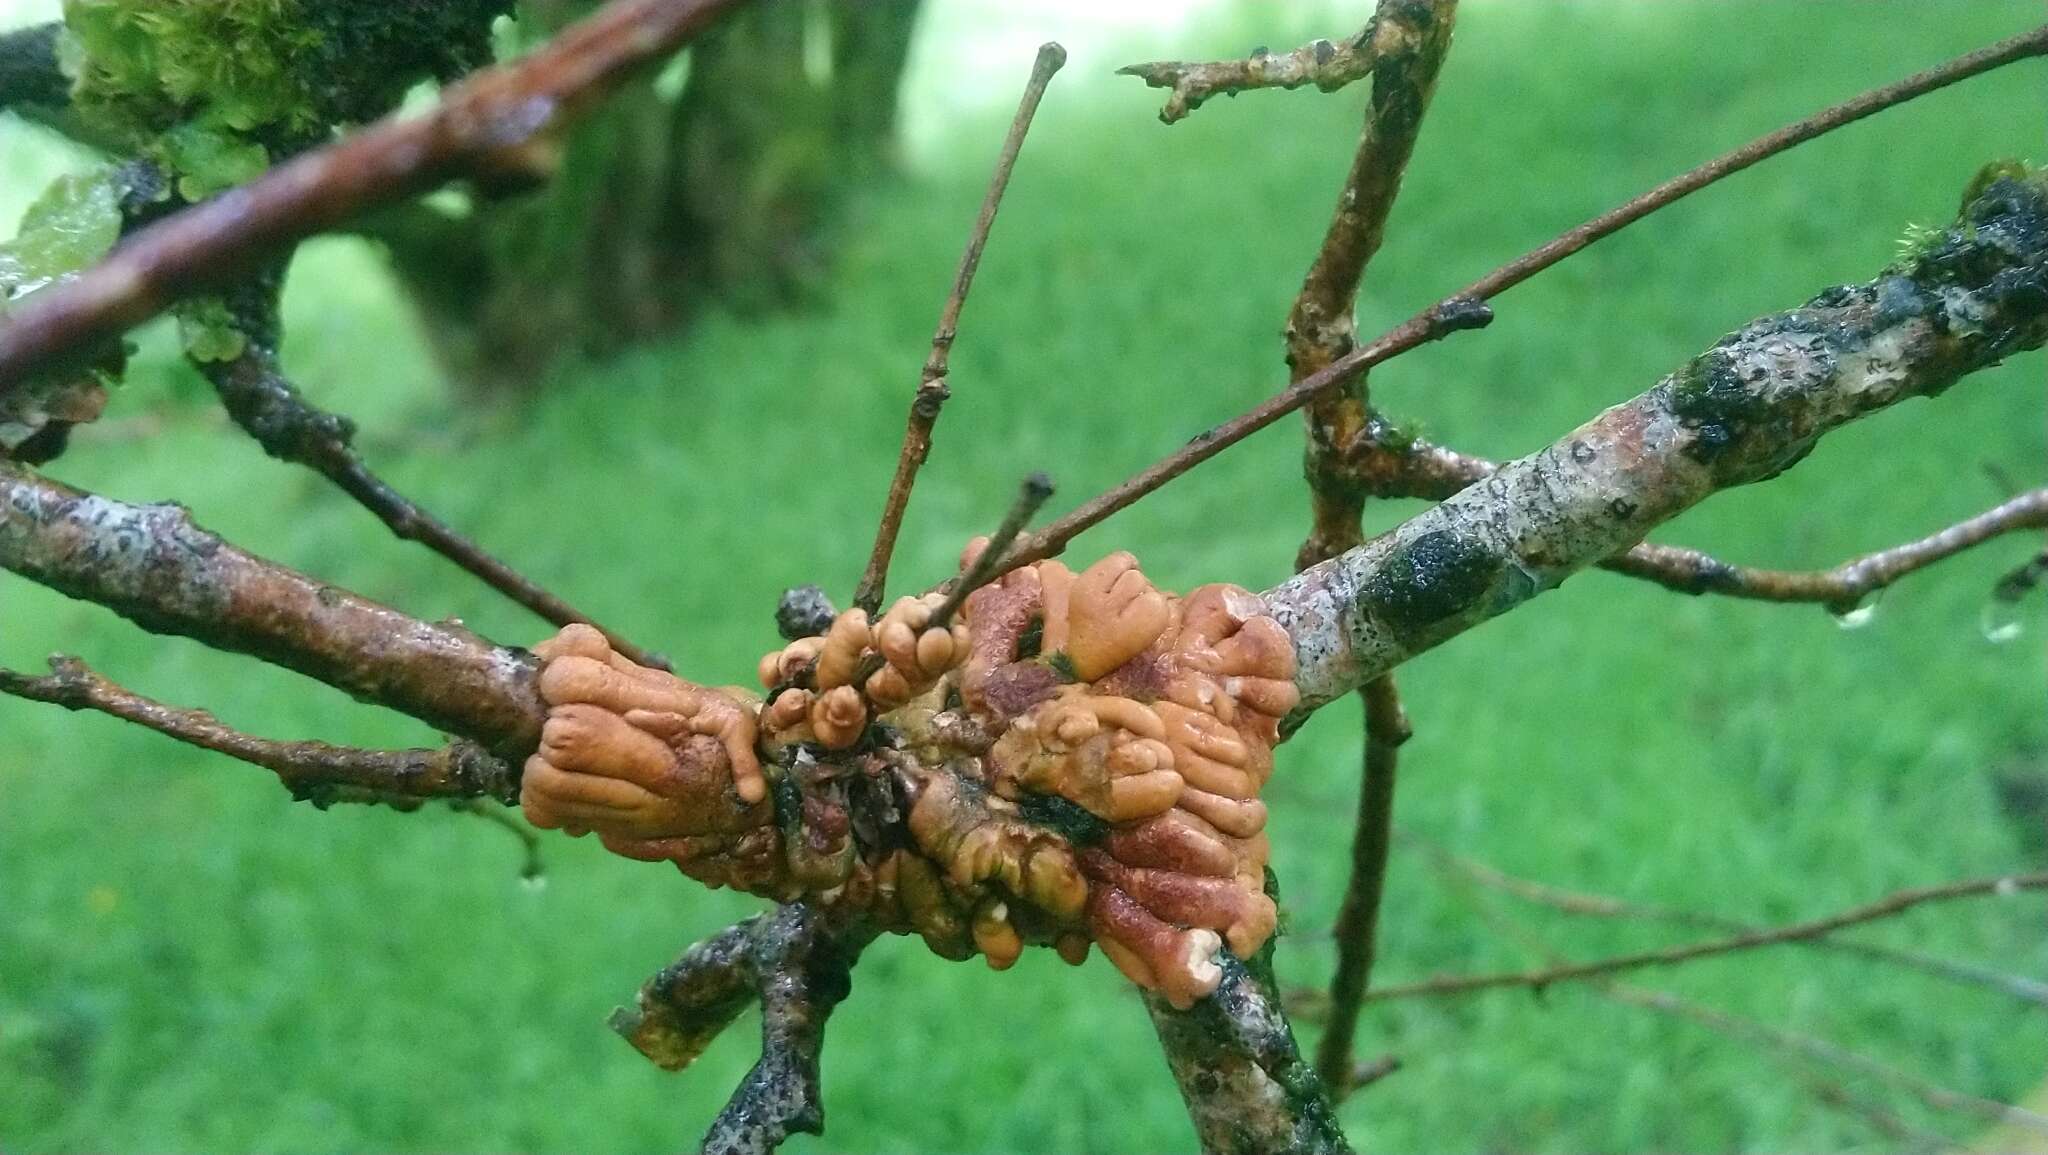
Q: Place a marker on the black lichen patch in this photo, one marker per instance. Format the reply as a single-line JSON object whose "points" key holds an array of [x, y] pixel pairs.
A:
{"points": [[1064, 818], [1432, 580], [1711, 399]]}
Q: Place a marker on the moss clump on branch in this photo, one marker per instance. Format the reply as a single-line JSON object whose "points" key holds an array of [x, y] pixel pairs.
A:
{"points": [[216, 88]]}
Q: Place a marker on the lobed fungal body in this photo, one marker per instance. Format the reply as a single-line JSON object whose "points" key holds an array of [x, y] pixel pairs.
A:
{"points": [[1076, 759]]}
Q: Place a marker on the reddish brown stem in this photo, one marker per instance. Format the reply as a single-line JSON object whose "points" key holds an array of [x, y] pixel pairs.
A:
{"points": [[932, 387]]}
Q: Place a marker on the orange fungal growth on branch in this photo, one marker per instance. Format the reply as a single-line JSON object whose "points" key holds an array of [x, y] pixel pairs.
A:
{"points": [[1075, 757]]}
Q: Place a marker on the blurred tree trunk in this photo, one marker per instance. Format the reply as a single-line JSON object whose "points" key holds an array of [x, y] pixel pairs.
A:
{"points": [[666, 198]]}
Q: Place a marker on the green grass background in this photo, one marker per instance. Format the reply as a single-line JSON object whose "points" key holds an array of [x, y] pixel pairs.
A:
{"points": [[189, 961]]}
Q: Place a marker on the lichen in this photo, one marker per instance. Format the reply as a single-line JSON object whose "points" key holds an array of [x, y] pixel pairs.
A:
{"points": [[1432, 580]]}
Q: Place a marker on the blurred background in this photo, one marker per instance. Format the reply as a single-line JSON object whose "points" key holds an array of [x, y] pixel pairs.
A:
{"points": [[189, 961]]}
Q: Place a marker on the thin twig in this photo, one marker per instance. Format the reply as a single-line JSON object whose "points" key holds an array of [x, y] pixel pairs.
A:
{"points": [[1031, 497], [932, 387], [1327, 65], [1926, 1090], [312, 771], [478, 125], [1607, 906], [1887, 907], [270, 408], [1467, 308], [1357, 931]]}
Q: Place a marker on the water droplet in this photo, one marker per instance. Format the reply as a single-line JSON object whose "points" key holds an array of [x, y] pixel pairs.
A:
{"points": [[533, 882], [1862, 615], [2002, 621]]}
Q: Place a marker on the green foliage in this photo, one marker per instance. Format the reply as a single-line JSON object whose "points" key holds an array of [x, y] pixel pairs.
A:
{"points": [[190, 961], [74, 223], [207, 330]]}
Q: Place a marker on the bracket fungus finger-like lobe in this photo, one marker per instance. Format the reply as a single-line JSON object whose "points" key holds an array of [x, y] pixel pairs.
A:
{"points": [[1077, 758]]}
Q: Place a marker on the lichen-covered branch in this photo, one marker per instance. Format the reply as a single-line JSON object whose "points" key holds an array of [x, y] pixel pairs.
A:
{"points": [[798, 968], [1743, 411], [1421, 469], [1247, 1087], [154, 566], [1329, 65], [264, 402], [314, 771], [484, 126]]}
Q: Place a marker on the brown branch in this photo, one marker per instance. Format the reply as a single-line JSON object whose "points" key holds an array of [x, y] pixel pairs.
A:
{"points": [[1327, 65], [1607, 906], [1887, 907], [1410, 39], [152, 565], [933, 387], [798, 969], [1031, 497], [1247, 1088], [312, 771], [477, 127], [1467, 308], [1926, 1090], [1357, 930], [265, 403]]}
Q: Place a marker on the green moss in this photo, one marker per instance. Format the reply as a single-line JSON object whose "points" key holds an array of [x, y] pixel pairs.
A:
{"points": [[208, 332], [212, 87]]}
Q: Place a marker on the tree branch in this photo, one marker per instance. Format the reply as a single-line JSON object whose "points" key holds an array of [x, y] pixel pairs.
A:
{"points": [[312, 771], [1358, 918], [1432, 471], [264, 402], [1743, 411], [1246, 1086], [1887, 907], [1606, 906], [1329, 66], [799, 969], [152, 565], [1468, 308], [29, 72], [933, 387], [478, 124], [1926, 1090]]}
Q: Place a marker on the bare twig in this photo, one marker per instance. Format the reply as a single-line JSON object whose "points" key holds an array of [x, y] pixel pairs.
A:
{"points": [[1327, 65], [152, 565], [1467, 307], [1366, 1074], [265, 403], [1887, 907], [1357, 930], [313, 771], [1031, 497], [932, 387], [1926, 1090], [490, 117], [1607, 906]]}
